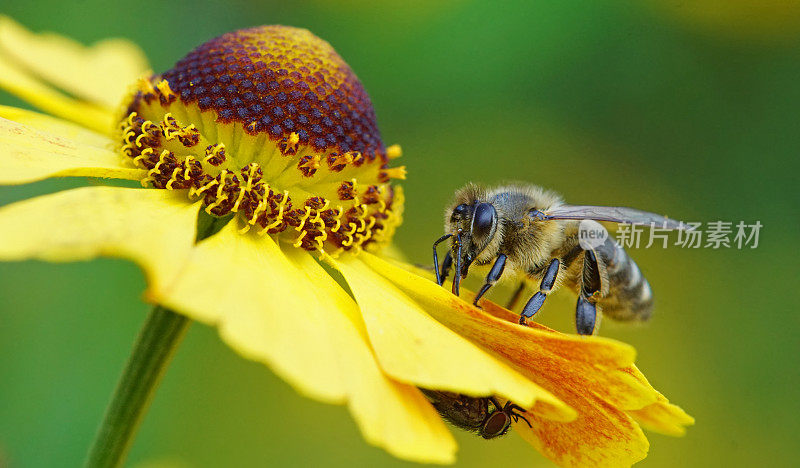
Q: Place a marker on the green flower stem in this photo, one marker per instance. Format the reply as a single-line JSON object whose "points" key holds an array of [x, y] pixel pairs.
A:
{"points": [[152, 352], [156, 344]]}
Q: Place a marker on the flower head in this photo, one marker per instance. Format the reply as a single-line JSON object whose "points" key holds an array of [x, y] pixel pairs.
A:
{"points": [[269, 129], [272, 124]]}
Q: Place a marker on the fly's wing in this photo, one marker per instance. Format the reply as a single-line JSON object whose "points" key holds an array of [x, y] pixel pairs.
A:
{"points": [[463, 411], [614, 214]]}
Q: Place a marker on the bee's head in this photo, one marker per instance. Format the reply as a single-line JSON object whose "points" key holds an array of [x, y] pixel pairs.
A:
{"points": [[474, 223]]}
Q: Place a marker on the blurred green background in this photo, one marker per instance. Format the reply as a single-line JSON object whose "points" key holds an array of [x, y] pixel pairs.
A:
{"points": [[684, 108]]}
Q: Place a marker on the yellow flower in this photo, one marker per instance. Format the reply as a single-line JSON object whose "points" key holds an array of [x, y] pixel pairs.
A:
{"points": [[269, 127]]}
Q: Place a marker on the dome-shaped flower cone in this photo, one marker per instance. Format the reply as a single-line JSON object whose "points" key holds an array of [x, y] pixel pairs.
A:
{"points": [[272, 124], [268, 127]]}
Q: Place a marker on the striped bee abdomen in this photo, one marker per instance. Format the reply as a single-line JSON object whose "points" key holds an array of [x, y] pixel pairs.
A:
{"points": [[628, 295]]}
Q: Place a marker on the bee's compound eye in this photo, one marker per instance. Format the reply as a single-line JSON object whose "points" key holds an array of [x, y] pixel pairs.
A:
{"points": [[461, 211], [485, 216], [496, 425]]}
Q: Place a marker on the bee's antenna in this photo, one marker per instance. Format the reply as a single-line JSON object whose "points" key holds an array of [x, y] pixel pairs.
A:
{"points": [[457, 277], [439, 279]]}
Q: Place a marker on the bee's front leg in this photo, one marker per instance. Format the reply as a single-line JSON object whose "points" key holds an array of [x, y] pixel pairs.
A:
{"points": [[491, 278], [535, 303]]}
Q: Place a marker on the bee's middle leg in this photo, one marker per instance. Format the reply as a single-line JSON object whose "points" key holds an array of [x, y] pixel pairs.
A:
{"points": [[491, 278], [535, 303]]}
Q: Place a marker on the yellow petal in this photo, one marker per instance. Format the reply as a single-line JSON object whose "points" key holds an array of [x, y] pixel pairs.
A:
{"points": [[661, 416], [56, 126], [100, 73], [264, 308], [28, 88], [414, 348], [270, 310], [154, 228], [28, 154], [390, 414]]}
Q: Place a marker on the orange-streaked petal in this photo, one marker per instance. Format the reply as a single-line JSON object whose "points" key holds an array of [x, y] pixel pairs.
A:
{"points": [[595, 350], [549, 358], [593, 375], [55, 149], [154, 228], [578, 368], [28, 88], [601, 435], [99, 74], [414, 348], [391, 415]]}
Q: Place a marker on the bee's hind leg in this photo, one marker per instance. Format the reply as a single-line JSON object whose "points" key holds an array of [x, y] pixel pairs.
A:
{"points": [[586, 309], [535, 303], [491, 278]]}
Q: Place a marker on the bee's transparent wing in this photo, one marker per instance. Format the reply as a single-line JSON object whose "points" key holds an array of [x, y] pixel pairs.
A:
{"points": [[614, 214]]}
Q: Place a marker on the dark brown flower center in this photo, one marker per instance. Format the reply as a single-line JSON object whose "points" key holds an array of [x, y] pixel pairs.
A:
{"points": [[269, 123]]}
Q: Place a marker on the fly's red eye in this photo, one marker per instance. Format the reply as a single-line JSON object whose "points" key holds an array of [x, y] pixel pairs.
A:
{"points": [[496, 425]]}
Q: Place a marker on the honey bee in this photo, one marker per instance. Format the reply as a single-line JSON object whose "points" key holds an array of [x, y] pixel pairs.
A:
{"points": [[482, 415], [529, 233]]}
